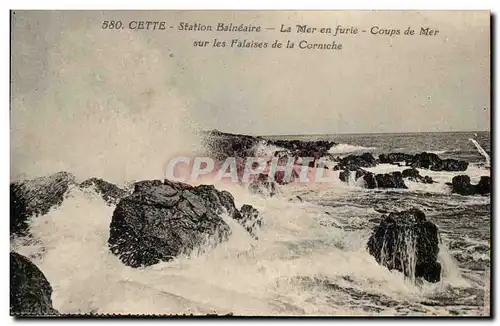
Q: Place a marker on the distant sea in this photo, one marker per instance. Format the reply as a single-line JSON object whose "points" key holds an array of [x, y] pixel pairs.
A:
{"points": [[445, 144]]}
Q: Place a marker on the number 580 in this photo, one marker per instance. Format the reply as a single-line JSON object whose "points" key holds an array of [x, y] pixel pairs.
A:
{"points": [[111, 24]]}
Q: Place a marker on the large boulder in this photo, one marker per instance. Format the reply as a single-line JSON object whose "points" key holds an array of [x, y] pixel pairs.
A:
{"points": [[108, 191], [461, 185], [36, 197], [30, 292], [162, 220], [406, 241]]}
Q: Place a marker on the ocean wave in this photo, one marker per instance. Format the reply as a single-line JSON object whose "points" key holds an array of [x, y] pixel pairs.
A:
{"points": [[348, 148]]}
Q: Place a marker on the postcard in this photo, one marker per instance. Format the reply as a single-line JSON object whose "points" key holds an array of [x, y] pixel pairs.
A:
{"points": [[250, 163]]}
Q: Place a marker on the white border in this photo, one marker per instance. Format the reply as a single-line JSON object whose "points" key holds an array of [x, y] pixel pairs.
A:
{"points": [[199, 4]]}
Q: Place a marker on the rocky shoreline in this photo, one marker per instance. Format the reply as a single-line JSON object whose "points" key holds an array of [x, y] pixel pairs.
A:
{"points": [[157, 220]]}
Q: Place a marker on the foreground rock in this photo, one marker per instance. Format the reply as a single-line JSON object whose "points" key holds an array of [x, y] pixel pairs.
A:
{"points": [[460, 184], [409, 243], [162, 220], [108, 191], [36, 197], [30, 292]]}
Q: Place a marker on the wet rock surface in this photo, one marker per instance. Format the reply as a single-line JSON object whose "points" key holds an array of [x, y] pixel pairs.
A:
{"points": [[461, 185], [162, 220], [108, 191], [406, 241], [30, 292], [413, 175], [30, 198]]}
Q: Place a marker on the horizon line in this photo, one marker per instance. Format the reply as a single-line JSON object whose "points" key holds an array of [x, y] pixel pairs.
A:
{"points": [[356, 133]]}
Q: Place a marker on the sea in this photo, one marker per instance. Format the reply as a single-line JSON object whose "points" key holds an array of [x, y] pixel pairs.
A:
{"points": [[310, 258]]}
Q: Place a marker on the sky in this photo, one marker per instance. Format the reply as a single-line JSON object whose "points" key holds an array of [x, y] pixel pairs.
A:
{"points": [[64, 62]]}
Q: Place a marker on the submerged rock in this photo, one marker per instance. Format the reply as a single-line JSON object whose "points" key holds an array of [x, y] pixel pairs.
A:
{"points": [[36, 197], [461, 185], [406, 241], [160, 221], [108, 191], [30, 292]]}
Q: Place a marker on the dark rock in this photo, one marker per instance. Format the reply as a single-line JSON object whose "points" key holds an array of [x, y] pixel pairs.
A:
{"points": [[36, 197], [455, 165], [424, 160], [484, 185], [344, 175], [177, 185], [281, 178], [160, 221], [108, 191], [250, 219], [263, 187], [353, 162], [461, 185], [406, 241], [30, 292], [301, 148], [414, 175], [433, 162], [390, 180], [427, 161], [393, 158], [222, 145], [428, 180], [146, 184], [370, 182]]}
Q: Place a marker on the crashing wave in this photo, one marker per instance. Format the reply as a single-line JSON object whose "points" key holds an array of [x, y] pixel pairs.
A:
{"points": [[347, 148], [481, 151]]}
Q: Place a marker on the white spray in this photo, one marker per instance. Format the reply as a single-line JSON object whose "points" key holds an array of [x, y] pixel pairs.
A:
{"points": [[481, 151]]}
